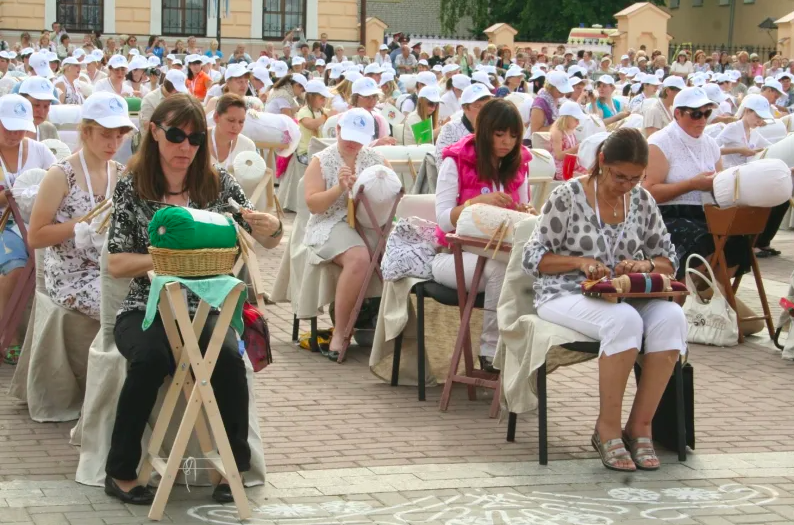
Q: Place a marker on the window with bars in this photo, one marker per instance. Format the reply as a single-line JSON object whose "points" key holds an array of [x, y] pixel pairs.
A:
{"points": [[281, 16], [80, 16], [185, 17]]}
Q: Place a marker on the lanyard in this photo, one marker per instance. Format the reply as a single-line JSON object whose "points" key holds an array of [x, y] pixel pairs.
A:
{"points": [[217, 154], [610, 247], [88, 180], [666, 111], [37, 133], [9, 176]]}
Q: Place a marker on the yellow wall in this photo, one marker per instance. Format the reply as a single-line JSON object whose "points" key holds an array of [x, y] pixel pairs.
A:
{"points": [[132, 18], [338, 18], [22, 14], [238, 25]]}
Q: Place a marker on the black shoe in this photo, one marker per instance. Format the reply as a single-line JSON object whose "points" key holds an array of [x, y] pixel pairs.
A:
{"points": [[136, 496], [223, 493], [486, 365], [333, 355]]}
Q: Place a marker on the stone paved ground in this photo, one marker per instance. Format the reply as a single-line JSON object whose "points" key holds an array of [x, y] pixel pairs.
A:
{"points": [[343, 447]]}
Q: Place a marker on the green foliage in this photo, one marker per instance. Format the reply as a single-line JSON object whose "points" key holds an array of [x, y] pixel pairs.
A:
{"points": [[541, 20]]}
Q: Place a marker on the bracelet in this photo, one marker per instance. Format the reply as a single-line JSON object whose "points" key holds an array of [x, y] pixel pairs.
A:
{"points": [[278, 231], [653, 265]]}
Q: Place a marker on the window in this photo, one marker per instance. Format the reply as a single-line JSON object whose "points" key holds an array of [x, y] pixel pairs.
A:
{"points": [[697, 3], [674, 4], [80, 15], [185, 17], [749, 1], [281, 16], [725, 2]]}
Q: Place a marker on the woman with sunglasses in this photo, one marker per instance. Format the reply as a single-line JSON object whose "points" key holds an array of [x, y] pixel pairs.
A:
{"points": [[600, 226], [427, 107], [660, 113], [683, 163], [130, 43], [172, 168]]}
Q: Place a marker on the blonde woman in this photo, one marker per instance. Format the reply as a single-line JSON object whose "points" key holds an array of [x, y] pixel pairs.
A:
{"points": [[213, 51], [427, 107], [45, 44], [340, 96], [545, 107], [389, 87], [192, 48], [66, 83]]}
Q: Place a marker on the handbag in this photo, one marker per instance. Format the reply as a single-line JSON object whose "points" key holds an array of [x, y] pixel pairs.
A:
{"points": [[709, 322], [664, 425], [256, 337], [410, 250]]}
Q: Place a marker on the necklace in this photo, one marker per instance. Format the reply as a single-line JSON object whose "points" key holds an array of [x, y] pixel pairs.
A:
{"points": [[614, 208]]}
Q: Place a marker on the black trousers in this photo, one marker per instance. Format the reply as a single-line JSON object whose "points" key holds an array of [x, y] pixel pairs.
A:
{"points": [[150, 360], [772, 225]]}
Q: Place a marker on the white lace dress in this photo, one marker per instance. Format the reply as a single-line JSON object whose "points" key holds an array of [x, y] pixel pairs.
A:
{"points": [[328, 233]]}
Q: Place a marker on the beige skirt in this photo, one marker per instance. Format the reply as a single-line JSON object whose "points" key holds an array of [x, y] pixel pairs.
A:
{"points": [[342, 238]]}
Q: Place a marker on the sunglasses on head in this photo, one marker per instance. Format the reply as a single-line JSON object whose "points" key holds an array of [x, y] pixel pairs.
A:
{"points": [[177, 136], [697, 114]]}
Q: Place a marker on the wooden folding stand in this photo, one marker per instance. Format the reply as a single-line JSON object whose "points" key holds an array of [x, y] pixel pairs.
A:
{"points": [[375, 254], [748, 222], [473, 377], [249, 259], [198, 392], [25, 285], [267, 151]]}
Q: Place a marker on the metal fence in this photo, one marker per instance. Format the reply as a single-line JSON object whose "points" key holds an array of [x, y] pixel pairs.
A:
{"points": [[675, 48]]}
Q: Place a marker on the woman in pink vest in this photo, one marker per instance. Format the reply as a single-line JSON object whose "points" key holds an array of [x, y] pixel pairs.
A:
{"points": [[488, 167]]}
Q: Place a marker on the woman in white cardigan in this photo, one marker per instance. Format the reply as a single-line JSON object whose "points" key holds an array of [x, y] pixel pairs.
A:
{"points": [[226, 141]]}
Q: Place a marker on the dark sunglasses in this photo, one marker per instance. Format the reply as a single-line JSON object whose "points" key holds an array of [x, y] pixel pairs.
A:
{"points": [[696, 114], [177, 136]]}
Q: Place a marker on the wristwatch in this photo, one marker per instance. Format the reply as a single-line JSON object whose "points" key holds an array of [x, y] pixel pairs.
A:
{"points": [[278, 231]]}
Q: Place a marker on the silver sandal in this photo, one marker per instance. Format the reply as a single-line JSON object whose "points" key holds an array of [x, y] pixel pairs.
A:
{"points": [[642, 451], [611, 452]]}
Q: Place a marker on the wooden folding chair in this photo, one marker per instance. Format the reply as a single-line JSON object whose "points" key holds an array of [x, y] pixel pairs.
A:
{"points": [[375, 254], [473, 377], [25, 286], [267, 151], [748, 222], [192, 377]]}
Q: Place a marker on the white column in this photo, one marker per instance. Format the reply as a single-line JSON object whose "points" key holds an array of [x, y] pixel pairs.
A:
{"points": [[312, 24], [155, 17], [50, 13], [257, 7], [109, 16]]}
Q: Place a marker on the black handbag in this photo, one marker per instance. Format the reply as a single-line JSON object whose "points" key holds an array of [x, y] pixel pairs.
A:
{"points": [[664, 421]]}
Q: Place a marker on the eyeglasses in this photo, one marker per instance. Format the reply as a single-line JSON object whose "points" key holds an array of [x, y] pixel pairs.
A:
{"points": [[697, 114], [622, 179], [177, 136]]}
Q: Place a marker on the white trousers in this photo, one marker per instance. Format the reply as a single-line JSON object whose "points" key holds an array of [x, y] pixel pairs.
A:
{"points": [[491, 283], [621, 326]]}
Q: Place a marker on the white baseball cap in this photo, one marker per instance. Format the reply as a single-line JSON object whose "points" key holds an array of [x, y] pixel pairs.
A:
{"points": [[297, 61], [317, 86], [692, 97], [537, 73], [625, 57], [189, 59], [774, 84], [154, 61], [108, 110], [449, 68], [659, 74], [559, 67], [514, 72], [96, 52], [356, 125], [427, 78], [560, 81], [251, 66], [90, 59], [735, 74], [383, 47], [575, 81], [351, 75], [53, 57], [207, 60], [265, 61], [576, 69], [300, 79], [460, 81], [674, 81], [633, 72], [70, 61], [757, 103], [423, 62], [482, 78], [279, 68], [139, 62], [386, 77], [719, 78], [134, 52], [40, 64], [653, 80], [118, 61], [319, 63], [176, 62], [606, 79], [27, 51], [430, 93], [261, 73], [336, 71], [366, 87], [169, 56], [238, 70], [38, 88], [7, 55], [759, 79], [784, 74], [16, 113], [178, 79], [474, 93], [437, 68], [698, 80], [373, 69], [570, 108], [714, 93]]}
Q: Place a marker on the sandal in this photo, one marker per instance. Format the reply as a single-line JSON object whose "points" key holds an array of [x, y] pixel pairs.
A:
{"points": [[611, 452], [12, 355], [642, 451]]}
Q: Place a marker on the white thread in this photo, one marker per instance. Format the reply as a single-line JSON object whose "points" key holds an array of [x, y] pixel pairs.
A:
{"points": [[187, 466]]}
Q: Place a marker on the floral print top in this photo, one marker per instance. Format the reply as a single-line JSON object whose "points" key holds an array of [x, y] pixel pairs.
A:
{"points": [[568, 226], [71, 275], [129, 229]]}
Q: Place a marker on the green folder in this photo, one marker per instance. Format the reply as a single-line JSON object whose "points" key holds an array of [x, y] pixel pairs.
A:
{"points": [[423, 132]]}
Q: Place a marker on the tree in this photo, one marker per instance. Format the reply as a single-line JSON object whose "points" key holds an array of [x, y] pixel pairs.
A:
{"points": [[540, 20]]}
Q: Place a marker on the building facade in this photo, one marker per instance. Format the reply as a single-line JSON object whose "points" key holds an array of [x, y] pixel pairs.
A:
{"points": [[709, 22]]}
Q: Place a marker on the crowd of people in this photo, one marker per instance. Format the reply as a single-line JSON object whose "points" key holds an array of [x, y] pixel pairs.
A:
{"points": [[639, 209]]}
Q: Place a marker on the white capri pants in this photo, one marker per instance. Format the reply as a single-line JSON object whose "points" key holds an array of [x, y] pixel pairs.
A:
{"points": [[621, 326], [493, 276]]}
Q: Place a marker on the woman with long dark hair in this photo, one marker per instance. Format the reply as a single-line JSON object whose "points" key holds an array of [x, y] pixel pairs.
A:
{"points": [[488, 167]]}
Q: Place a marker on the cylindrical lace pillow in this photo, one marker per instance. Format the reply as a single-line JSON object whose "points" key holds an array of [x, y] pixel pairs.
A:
{"points": [[274, 129], [178, 228], [641, 283], [25, 189], [58, 148], [481, 221], [763, 183], [381, 186], [249, 170], [771, 133], [588, 126], [588, 148], [783, 150], [541, 165], [65, 114]]}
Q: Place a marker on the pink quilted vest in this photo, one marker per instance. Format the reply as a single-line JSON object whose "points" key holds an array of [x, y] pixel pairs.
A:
{"points": [[469, 184]]}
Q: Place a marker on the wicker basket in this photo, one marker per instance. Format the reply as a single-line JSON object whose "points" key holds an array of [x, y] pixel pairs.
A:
{"points": [[193, 263]]}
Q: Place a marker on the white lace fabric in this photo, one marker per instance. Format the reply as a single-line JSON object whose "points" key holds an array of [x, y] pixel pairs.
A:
{"points": [[319, 226]]}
